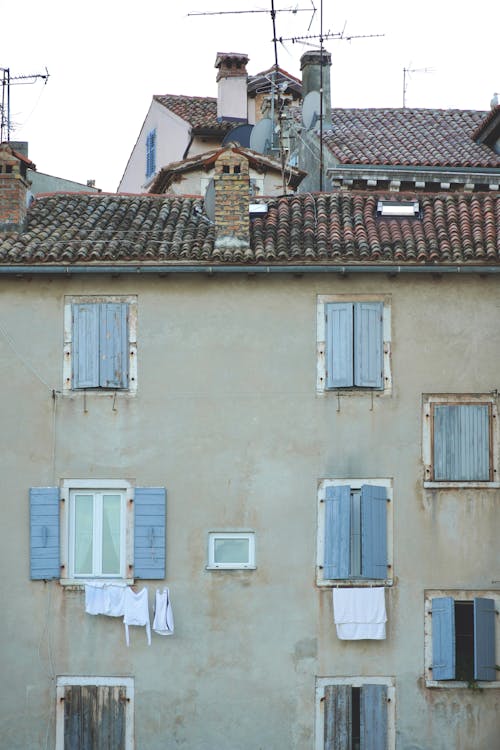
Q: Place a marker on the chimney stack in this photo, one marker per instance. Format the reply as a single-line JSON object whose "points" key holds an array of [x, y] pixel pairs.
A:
{"points": [[14, 187], [232, 192], [232, 86], [314, 66]]}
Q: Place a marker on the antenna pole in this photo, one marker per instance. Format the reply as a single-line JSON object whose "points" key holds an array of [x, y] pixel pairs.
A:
{"points": [[321, 98], [5, 124]]}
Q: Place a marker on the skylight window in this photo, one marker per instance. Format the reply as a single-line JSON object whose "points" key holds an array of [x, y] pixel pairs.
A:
{"points": [[398, 208]]}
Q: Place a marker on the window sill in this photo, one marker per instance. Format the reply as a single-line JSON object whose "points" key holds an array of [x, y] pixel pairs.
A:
{"points": [[78, 584], [99, 392], [354, 583], [480, 685], [461, 485], [230, 567]]}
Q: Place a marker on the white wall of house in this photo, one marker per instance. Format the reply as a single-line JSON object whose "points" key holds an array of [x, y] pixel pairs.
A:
{"points": [[227, 416]]}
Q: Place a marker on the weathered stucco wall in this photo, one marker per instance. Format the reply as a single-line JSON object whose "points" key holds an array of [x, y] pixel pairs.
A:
{"points": [[227, 417]]}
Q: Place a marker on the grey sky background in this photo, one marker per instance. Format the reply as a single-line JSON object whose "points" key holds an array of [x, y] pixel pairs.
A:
{"points": [[106, 60]]}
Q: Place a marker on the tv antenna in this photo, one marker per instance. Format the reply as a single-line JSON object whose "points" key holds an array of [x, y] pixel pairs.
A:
{"points": [[7, 81], [407, 74]]}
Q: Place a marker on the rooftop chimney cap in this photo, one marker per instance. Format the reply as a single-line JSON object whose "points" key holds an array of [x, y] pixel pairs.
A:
{"points": [[230, 58], [315, 57]]}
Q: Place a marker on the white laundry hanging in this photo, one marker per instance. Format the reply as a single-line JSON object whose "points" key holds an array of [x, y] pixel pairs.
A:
{"points": [[136, 612], [163, 622], [359, 613]]}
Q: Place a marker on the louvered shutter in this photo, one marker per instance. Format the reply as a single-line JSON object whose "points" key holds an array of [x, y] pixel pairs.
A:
{"points": [[85, 345], [461, 442], [149, 532], [368, 349], [484, 639], [373, 717], [338, 717], [113, 344], [44, 533], [337, 532], [339, 345], [443, 638], [373, 531], [94, 717]]}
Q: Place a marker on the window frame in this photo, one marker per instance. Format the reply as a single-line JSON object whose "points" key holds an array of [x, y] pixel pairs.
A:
{"points": [[356, 682], [213, 535], [68, 363], [355, 484], [456, 595], [69, 486], [429, 401], [63, 681], [321, 345]]}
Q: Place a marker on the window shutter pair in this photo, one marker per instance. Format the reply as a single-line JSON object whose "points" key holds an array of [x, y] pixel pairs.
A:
{"points": [[337, 558], [338, 717], [354, 345], [443, 638], [149, 533], [461, 442], [100, 345]]}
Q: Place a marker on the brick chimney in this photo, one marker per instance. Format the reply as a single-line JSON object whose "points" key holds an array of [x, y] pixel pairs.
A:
{"points": [[232, 192], [232, 86], [14, 187], [311, 63]]}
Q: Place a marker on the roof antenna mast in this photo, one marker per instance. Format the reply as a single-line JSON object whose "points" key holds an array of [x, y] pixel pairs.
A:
{"points": [[7, 82]]}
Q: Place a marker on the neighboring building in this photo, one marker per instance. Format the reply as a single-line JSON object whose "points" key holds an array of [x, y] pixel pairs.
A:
{"points": [[316, 387]]}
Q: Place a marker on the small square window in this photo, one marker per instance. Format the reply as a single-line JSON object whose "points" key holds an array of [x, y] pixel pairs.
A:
{"points": [[228, 550]]}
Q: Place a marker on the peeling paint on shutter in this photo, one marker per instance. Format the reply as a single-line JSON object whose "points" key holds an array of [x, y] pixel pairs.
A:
{"points": [[373, 531], [113, 345], [373, 717], [339, 345], [337, 532], [368, 349], [85, 345], [461, 449], [484, 639], [94, 717], [338, 717], [149, 532], [443, 638], [44, 533]]}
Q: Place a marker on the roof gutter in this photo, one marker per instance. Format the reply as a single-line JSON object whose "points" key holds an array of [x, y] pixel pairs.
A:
{"points": [[392, 270]]}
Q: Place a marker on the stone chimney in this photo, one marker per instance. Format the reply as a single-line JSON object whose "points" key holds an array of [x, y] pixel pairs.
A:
{"points": [[232, 193], [311, 64], [14, 186], [232, 86]]}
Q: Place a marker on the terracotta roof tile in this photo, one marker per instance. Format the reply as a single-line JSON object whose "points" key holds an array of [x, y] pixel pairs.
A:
{"points": [[199, 111], [325, 228]]}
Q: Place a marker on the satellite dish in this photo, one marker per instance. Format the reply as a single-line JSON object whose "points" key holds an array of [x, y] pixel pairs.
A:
{"points": [[310, 109], [240, 134], [210, 200], [261, 136]]}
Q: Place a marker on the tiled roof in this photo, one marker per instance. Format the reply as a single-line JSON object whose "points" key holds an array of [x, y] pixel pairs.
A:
{"points": [[409, 137], [199, 111], [329, 228]]}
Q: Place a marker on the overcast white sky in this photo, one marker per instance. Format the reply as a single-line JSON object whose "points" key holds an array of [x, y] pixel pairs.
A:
{"points": [[107, 58]]}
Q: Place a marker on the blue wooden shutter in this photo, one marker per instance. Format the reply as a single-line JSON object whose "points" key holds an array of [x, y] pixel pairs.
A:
{"points": [[373, 717], [339, 345], [85, 353], [461, 442], [337, 532], [149, 532], [113, 345], [368, 345], [150, 153], [373, 531], [337, 725], [443, 638], [484, 639], [44, 533]]}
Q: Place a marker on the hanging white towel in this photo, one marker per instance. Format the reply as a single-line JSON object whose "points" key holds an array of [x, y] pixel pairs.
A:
{"points": [[359, 613], [163, 622], [114, 600], [136, 612], [95, 603]]}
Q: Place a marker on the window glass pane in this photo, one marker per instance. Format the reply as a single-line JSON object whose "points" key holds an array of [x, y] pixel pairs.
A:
{"points": [[111, 518], [84, 511], [231, 550]]}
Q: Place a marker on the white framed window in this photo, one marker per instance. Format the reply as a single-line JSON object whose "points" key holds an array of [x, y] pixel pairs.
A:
{"points": [[355, 712], [354, 343], [355, 532], [100, 343], [461, 638], [460, 440], [228, 550], [97, 707]]}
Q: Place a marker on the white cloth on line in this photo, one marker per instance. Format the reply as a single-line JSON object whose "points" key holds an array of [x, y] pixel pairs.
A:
{"points": [[359, 613], [94, 599], [163, 622], [114, 600], [104, 599], [136, 612]]}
